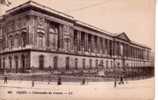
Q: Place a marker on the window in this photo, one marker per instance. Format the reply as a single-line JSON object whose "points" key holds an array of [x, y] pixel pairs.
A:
{"points": [[23, 39], [67, 43], [66, 29], [55, 60], [107, 64], [10, 62], [96, 63], [4, 63], [23, 63], [16, 41], [67, 63], [40, 40], [53, 36], [111, 64], [90, 63], [101, 63], [84, 63], [41, 62], [0, 63], [16, 63], [76, 63]]}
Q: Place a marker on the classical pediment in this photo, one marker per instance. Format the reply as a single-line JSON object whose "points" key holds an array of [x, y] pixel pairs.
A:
{"points": [[123, 36]]}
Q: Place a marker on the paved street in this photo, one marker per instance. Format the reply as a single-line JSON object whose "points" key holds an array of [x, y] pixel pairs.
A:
{"points": [[22, 90]]}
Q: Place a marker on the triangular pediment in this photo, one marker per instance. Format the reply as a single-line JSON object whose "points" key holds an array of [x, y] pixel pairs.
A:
{"points": [[123, 36]]}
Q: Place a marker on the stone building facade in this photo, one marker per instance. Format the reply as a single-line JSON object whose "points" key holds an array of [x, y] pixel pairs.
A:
{"points": [[33, 36]]}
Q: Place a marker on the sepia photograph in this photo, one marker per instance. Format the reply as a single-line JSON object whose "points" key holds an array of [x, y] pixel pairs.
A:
{"points": [[77, 49]]}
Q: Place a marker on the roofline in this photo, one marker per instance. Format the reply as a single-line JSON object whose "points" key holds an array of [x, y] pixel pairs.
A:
{"points": [[43, 7], [141, 45], [81, 23], [48, 9]]}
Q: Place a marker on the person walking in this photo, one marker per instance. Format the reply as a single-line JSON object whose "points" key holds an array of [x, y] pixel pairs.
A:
{"points": [[59, 81], [5, 80]]}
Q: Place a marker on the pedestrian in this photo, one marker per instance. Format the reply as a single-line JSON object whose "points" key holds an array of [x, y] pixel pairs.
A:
{"points": [[121, 80], [33, 83], [5, 80], [83, 81], [59, 81]]}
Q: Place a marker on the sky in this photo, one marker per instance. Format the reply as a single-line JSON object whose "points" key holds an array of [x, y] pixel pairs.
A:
{"points": [[134, 17]]}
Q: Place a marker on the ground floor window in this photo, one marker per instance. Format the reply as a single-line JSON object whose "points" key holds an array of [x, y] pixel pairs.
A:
{"points": [[111, 64], [4, 63], [101, 63], [76, 63], [16, 63], [67, 63], [90, 63], [107, 64], [23, 63], [84, 63], [41, 62], [55, 60], [10, 62], [0, 63], [96, 63]]}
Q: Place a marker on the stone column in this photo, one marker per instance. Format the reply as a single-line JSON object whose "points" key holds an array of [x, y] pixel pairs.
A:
{"points": [[61, 44], [71, 39]]}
